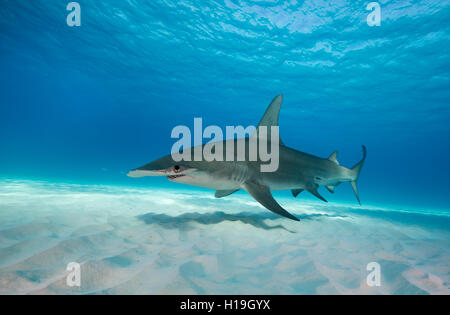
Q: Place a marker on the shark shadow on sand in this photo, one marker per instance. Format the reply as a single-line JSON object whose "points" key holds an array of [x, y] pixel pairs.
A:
{"points": [[184, 221]]}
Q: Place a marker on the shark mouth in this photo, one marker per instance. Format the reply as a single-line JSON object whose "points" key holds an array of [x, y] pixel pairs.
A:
{"points": [[174, 176]]}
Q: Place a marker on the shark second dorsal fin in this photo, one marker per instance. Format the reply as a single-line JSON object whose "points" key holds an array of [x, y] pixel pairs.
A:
{"points": [[271, 116], [264, 197], [224, 193], [333, 157]]}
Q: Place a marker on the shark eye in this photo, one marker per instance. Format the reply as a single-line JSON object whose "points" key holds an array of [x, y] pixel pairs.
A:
{"points": [[176, 168]]}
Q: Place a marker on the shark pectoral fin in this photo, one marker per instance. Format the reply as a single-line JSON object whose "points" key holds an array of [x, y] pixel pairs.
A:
{"points": [[224, 193], [330, 189], [314, 191], [295, 192], [264, 197]]}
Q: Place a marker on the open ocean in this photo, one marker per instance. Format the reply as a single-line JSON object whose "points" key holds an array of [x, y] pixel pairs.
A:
{"points": [[81, 106]]}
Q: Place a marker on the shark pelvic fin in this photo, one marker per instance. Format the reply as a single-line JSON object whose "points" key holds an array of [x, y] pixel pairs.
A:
{"points": [[271, 116], [264, 197], [295, 192], [333, 157], [330, 189], [224, 193], [314, 191]]}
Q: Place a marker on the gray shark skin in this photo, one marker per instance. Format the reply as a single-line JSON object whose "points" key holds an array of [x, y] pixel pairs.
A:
{"points": [[297, 171]]}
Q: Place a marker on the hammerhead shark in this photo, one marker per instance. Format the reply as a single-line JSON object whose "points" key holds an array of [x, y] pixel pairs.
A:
{"points": [[297, 171]]}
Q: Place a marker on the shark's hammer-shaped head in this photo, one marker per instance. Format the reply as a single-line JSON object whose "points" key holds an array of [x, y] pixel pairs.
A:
{"points": [[165, 166], [212, 174], [197, 173]]}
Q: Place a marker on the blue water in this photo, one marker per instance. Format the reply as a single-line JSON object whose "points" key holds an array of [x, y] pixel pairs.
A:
{"points": [[81, 106], [86, 104]]}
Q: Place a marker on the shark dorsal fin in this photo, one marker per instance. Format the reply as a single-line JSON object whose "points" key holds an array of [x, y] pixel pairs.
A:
{"points": [[271, 116], [333, 157]]}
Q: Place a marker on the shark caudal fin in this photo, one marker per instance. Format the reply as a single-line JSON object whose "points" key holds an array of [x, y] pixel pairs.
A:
{"points": [[356, 169]]}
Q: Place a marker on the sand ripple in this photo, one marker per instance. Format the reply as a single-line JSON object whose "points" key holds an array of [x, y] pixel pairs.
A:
{"points": [[142, 241]]}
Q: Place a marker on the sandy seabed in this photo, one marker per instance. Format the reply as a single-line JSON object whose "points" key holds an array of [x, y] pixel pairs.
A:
{"points": [[159, 241]]}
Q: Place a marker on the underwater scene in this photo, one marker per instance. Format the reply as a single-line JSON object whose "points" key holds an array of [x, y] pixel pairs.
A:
{"points": [[347, 189]]}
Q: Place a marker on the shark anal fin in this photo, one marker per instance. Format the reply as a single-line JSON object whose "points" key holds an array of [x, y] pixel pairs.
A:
{"points": [[264, 197], [330, 189], [333, 157], [224, 193], [313, 190], [295, 192]]}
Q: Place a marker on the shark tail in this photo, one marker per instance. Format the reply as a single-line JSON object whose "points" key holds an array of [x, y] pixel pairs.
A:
{"points": [[356, 170]]}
